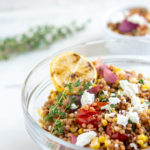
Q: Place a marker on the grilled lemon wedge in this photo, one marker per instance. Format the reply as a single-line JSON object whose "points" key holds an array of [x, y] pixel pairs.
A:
{"points": [[69, 67]]}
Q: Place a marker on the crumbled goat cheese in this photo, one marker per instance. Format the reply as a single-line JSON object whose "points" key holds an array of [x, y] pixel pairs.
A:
{"points": [[87, 98], [112, 94], [119, 17], [73, 106], [133, 116], [122, 120], [114, 100], [106, 107], [139, 107], [130, 90], [116, 146], [135, 18], [85, 138], [133, 145], [105, 92], [111, 114], [123, 112]]}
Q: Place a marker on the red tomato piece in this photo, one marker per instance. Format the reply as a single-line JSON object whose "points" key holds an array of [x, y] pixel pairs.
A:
{"points": [[90, 116], [115, 135]]}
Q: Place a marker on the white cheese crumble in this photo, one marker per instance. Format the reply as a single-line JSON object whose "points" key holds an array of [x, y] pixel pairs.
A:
{"points": [[106, 107], [114, 100], [85, 138], [133, 116], [130, 90], [133, 145], [105, 92], [119, 17], [122, 120], [112, 94], [137, 19], [73, 106], [111, 114], [87, 98], [116, 146]]}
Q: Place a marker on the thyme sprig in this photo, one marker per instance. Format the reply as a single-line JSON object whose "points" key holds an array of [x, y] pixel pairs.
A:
{"points": [[55, 111], [36, 38]]}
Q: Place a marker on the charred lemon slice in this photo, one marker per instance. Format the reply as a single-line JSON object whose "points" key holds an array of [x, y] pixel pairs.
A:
{"points": [[69, 67]]}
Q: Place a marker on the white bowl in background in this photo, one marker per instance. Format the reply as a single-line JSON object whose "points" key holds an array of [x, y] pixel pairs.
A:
{"points": [[109, 34]]}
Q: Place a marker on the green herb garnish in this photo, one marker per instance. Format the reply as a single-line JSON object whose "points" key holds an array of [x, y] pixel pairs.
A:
{"points": [[103, 99], [112, 105], [80, 92], [141, 81], [78, 83], [130, 122], [87, 85], [36, 38]]}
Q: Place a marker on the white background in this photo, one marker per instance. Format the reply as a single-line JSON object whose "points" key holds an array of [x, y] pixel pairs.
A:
{"points": [[15, 17]]}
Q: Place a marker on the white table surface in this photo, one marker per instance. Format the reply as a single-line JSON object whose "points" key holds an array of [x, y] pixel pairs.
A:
{"points": [[16, 17]]}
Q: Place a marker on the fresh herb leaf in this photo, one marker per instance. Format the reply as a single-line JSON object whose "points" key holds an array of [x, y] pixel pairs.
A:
{"points": [[130, 122], [45, 118], [103, 99], [78, 83], [112, 106], [80, 92], [68, 106], [87, 85], [141, 81]]}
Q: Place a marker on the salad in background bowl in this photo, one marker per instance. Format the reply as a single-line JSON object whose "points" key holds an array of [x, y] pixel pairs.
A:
{"points": [[128, 22]]}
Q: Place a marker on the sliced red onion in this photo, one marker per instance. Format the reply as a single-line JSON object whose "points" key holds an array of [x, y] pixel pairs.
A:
{"points": [[109, 76], [100, 69], [127, 26], [94, 90], [74, 139]]}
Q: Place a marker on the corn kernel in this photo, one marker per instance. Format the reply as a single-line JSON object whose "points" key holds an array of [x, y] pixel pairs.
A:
{"points": [[142, 100], [115, 119], [99, 80], [148, 111], [40, 112], [95, 143], [143, 138], [104, 122], [107, 143], [73, 129], [80, 131], [140, 142], [113, 111], [42, 125], [94, 85], [101, 139], [145, 87], [76, 134], [118, 69], [145, 145]]}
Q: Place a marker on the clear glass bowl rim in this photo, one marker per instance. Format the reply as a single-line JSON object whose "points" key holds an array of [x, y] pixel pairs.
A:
{"points": [[25, 107]]}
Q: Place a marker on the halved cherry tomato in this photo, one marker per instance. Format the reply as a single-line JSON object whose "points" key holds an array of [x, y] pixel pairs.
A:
{"points": [[115, 135], [90, 116]]}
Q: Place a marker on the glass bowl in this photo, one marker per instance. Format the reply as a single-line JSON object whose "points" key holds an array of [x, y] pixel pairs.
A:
{"points": [[127, 54]]}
